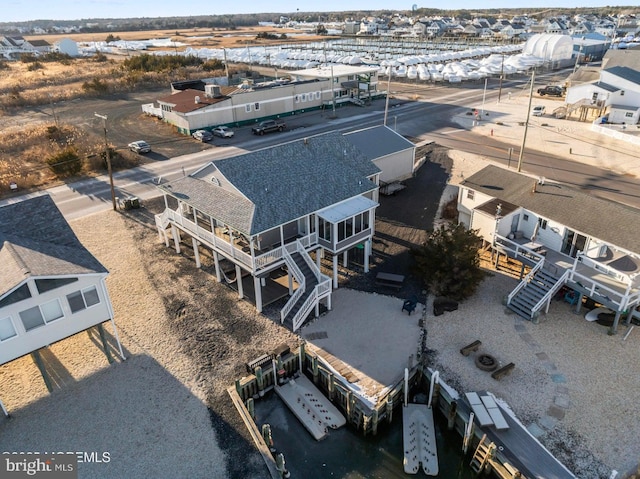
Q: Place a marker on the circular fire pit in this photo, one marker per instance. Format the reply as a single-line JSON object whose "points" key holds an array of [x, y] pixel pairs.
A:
{"points": [[486, 362]]}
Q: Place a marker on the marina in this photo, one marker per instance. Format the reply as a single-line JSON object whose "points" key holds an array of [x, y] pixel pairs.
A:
{"points": [[494, 439]]}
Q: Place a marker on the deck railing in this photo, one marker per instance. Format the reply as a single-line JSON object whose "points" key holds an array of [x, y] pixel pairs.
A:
{"points": [[525, 280], [549, 294], [319, 291]]}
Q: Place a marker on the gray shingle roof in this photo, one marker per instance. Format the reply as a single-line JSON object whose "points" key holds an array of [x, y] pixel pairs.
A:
{"points": [[602, 219], [378, 141], [280, 184], [36, 240], [625, 73]]}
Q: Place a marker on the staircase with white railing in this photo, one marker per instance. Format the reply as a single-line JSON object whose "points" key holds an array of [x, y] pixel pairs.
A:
{"points": [[312, 287]]}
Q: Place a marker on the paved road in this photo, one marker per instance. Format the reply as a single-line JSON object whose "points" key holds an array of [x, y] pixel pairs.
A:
{"points": [[174, 155]]}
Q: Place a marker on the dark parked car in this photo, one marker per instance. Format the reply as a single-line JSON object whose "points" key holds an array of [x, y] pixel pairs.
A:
{"points": [[203, 135], [551, 91], [268, 126]]}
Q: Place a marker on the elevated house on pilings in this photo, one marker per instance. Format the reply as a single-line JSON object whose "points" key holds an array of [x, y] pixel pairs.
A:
{"points": [[51, 286], [567, 237], [270, 216]]}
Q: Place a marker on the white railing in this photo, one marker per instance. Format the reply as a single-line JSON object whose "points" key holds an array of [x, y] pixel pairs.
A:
{"points": [[603, 268], [266, 259], [525, 281], [208, 237], [321, 290], [517, 249], [550, 293], [292, 302], [594, 288]]}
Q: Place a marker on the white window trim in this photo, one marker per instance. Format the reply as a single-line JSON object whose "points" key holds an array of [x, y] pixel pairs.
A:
{"points": [[13, 326]]}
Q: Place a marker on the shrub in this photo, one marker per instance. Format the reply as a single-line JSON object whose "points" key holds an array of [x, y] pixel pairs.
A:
{"points": [[100, 57], [212, 65], [111, 38], [155, 63], [65, 163], [448, 262], [35, 66], [96, 86]]}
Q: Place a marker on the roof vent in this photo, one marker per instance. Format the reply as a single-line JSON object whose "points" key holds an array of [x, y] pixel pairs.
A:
{"points": [[197, 99], [306, 141], [541, 180]]}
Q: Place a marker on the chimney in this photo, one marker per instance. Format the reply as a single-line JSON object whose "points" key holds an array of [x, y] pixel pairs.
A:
{"points": [[197, 99]]}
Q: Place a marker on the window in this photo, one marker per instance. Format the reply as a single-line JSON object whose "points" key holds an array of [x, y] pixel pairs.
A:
{"points": [[247, 108], [45, 285], [7, 330], [32, 318], [80, 300], [628, 114], [543, 223], [39, 315], [303, 97], [471, 194], [296, 98], [51, 310], [317, 95], [622, 93], [525, 217], [16, 296], [256, 106], [351, 77]]}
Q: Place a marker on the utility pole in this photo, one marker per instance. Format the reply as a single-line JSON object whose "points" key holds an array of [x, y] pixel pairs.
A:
{"points": [[386, 105], [526, 123], [108, 156], [501, 75]]}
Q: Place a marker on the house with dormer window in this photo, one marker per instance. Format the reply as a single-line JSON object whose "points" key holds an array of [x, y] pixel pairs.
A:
{"points": [[51, 286], [270, 217], [565, 236]]}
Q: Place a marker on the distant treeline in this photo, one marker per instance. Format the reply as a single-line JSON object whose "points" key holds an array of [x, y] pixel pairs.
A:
{"points": [[249, 20]]}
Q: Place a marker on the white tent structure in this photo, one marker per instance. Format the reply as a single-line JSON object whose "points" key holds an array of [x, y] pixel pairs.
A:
{"points": [[553, 49]]}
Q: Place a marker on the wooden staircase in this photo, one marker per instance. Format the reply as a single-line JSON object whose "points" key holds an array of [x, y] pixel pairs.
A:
{"points": [[310, 282], [482, 455], [525, 301]]}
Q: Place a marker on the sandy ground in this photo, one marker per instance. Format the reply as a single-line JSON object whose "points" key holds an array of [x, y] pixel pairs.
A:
{"points": [[163, 411]]}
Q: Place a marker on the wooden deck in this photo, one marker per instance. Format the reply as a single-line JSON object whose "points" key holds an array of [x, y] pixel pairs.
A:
{"points": [[519, 448]]}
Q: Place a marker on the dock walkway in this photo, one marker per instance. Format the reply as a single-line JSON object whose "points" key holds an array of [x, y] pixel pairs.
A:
{"points": [[311, 407], [516, 444]]}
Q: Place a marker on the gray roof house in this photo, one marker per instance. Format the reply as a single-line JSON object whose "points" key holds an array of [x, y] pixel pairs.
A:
{"points": [[271, 216], [51, 287], [563, 234]]}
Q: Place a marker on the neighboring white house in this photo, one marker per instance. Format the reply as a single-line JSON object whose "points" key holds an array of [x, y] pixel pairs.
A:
{"points": [[565, 235], [392, 153], [270, 217], [51, 287], [305, 90], [616, 94]]}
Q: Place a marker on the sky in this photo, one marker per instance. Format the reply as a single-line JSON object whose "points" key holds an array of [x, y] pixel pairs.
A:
{"points": [[25, 10]]}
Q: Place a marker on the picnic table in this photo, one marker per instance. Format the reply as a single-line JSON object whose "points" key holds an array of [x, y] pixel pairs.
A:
{"points": [[390, 280]]}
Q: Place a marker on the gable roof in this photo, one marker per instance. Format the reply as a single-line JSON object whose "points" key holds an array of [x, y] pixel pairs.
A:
{"points": [[43, 245], [378, 141], [625, 73], [274, 186], [577, 210]]}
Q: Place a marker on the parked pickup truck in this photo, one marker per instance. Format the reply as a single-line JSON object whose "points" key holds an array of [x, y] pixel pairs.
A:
{"points": [[551, 91], [268, 126]]}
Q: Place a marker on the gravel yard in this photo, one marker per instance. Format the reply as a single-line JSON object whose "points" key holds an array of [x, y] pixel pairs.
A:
{"points": [[165, 412]]}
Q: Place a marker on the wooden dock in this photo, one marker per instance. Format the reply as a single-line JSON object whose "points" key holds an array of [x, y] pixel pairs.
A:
{"points": [[419, 439], [515, 447]]}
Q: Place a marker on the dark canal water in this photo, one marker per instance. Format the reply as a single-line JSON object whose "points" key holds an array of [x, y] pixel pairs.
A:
{"points": [[345, 454]]}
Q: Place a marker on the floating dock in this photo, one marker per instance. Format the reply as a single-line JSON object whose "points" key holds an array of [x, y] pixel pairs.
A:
{"points": [[310, 406], [419, 439]]}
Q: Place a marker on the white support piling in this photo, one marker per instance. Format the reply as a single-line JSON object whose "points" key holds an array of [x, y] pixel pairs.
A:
{"points": [[406, 386], [468, 431], [435, 378]]}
